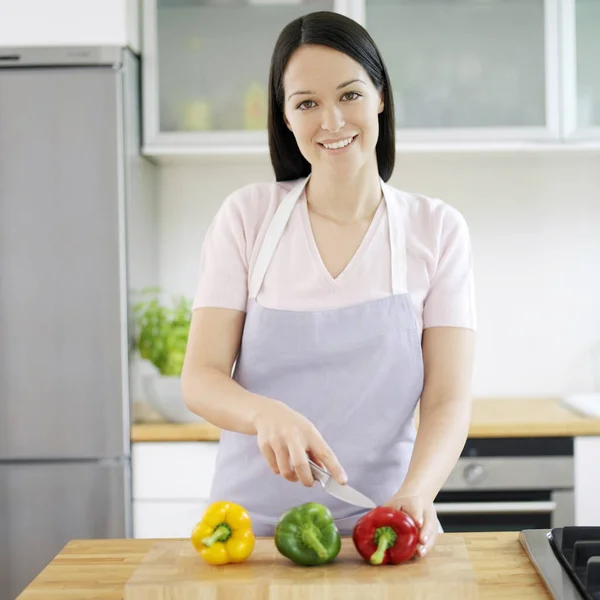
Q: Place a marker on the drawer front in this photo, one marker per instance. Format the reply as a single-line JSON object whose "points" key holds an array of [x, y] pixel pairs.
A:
{"points": [[158, 519], [173, 470]]}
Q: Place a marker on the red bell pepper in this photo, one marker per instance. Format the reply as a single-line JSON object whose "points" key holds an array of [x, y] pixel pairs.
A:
{"points": [[386, 535]]}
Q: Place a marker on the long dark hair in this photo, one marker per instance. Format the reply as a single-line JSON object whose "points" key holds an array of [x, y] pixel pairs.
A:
{"points": [[345, 35]]}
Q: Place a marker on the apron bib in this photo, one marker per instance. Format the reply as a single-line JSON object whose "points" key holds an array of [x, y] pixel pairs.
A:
{"points": [[355, 372]]}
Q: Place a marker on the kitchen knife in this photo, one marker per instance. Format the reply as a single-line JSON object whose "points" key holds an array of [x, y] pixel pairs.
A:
{"points": [[343, 492]]}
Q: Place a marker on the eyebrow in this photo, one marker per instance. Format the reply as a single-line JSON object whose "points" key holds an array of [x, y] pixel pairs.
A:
{"points": [[339, 87]]}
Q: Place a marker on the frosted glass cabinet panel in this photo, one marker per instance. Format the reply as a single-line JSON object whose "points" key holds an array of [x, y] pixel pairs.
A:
{"points": [[587, 35], [486, 71], [212, 60], [464, 64]]}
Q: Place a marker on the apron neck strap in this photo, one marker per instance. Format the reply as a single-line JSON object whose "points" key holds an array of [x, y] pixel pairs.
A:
{"points": [[282, 216], [273, 235], [396, 225]]}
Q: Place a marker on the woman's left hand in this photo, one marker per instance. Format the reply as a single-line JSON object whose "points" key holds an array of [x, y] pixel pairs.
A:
{"points": [[424, 515]]}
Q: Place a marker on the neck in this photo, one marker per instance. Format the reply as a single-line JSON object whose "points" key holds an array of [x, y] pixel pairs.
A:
{"points": [[347, 198]]}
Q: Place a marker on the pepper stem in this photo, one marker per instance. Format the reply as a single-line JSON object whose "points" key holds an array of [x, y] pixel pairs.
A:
{"points": [[385, 537], [221, 534], [311, 539]]}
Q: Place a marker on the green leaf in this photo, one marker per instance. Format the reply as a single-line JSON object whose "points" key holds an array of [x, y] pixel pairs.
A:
{"points": [[162, 329]]}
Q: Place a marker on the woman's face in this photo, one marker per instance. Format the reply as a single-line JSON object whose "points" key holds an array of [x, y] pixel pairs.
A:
{"points": [[332, 107]]}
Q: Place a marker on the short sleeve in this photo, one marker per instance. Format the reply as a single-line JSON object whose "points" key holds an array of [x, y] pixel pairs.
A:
{"points": [[223, 276], [450, 301]]}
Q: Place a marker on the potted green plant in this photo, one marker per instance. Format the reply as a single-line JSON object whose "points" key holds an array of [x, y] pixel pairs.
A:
{"points": [[161, 337]]}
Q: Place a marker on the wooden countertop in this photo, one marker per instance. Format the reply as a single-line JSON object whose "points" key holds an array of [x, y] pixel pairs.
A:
{"points": [[99, 569], [493, 417]]}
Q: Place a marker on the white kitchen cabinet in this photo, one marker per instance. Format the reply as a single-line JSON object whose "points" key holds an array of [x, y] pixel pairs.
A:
{"points": [[163, 519], [465, 73], [466, 70], [587, 481], [206, 70], [581, 86], [171, 485], [173, 470], [70, 23]]}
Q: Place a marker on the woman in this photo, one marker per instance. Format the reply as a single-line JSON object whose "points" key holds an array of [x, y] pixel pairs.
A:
{"points": [[344, 301]]}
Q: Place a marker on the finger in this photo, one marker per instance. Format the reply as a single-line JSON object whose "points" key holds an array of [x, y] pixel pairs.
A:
{"points": [[284, 465], [429, 530], [315, 459], [270, 457], [299, 460], [325, 454], [429, 533], [412, 508]]}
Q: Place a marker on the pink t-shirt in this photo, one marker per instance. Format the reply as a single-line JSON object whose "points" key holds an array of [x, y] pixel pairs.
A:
{"points": [[438, 254]]}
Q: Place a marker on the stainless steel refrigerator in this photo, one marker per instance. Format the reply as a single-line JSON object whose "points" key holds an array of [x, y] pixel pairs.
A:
{"points": [[77, 234]]}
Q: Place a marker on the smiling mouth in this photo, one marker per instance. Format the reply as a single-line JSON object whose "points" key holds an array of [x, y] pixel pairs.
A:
{"points": [[341, 145]]}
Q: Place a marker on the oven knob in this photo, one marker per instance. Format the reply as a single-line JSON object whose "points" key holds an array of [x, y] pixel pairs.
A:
{"points": [[473, 473]]}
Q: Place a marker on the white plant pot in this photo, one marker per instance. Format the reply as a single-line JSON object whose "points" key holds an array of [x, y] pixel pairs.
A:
{"points": [[164, 395]]}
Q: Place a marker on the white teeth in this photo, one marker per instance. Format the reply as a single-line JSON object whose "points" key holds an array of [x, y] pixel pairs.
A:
{"points": [[339, 144]]}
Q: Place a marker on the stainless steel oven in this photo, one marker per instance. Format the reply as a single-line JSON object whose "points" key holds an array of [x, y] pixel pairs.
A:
{"points": [[509, 484]]}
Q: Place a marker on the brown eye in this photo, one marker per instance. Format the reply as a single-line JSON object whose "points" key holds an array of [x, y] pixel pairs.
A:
{"points": [[305, 105], [351, 96]]}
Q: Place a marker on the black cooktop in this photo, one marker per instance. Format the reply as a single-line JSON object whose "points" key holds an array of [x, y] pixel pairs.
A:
{"points": [[567, 559], [578, 551]]}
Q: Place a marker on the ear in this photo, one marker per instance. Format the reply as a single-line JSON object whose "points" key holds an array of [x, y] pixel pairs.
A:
{"points": [[287, 123], [381, 104]]}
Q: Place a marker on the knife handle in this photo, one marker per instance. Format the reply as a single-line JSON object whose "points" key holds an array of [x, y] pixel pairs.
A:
{"points": [[318, 473]]}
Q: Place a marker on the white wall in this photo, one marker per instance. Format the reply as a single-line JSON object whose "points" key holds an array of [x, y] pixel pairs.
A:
{"points": [[535, 227], [69, 23]]}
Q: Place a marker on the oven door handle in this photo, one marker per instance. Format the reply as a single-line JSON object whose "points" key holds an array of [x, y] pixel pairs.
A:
{"points": [[486, 508]]}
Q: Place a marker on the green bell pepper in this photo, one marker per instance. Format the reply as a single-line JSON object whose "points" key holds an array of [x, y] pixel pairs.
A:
{"points": [[307, 535]]}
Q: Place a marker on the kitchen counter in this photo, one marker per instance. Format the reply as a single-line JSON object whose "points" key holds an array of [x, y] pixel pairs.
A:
{"points": [[99, 569], [497, 417]]}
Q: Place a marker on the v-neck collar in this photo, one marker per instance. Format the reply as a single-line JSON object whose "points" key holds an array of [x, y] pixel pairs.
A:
{"points": [[396, 225], [314, 249]]}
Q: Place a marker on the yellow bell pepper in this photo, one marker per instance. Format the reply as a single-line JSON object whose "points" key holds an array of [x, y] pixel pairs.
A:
{"points": [[224, 535]]}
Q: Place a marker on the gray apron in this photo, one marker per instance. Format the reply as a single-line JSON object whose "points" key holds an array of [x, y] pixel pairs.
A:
{"points": [[355, 372]]}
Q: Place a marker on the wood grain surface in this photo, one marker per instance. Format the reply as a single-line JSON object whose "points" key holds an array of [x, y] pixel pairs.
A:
{"points": [[498, 417], [100, 569], [174, 571]]}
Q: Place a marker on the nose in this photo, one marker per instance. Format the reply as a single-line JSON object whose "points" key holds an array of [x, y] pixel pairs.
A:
{"points": [[333, 120]]}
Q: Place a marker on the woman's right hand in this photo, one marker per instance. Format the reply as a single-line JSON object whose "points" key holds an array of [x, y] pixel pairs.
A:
{"points": [[287, 440]]}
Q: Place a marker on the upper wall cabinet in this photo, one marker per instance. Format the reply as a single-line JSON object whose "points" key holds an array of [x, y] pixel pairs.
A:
{"points": [[479, 72], [470, 69], [207, 64], [581, 67]]}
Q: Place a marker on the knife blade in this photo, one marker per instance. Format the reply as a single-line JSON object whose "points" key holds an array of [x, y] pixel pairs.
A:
{"points": [[345, 492]]}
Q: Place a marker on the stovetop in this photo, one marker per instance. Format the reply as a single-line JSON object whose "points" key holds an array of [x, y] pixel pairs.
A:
{"points": [[567, 559]]}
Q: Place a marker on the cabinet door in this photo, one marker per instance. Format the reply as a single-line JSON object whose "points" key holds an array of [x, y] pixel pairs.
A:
{"points": [[207, 65], [173, 470], [160, 519], [587, 483], [580, 23], [587, 32], [465, 69]]}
